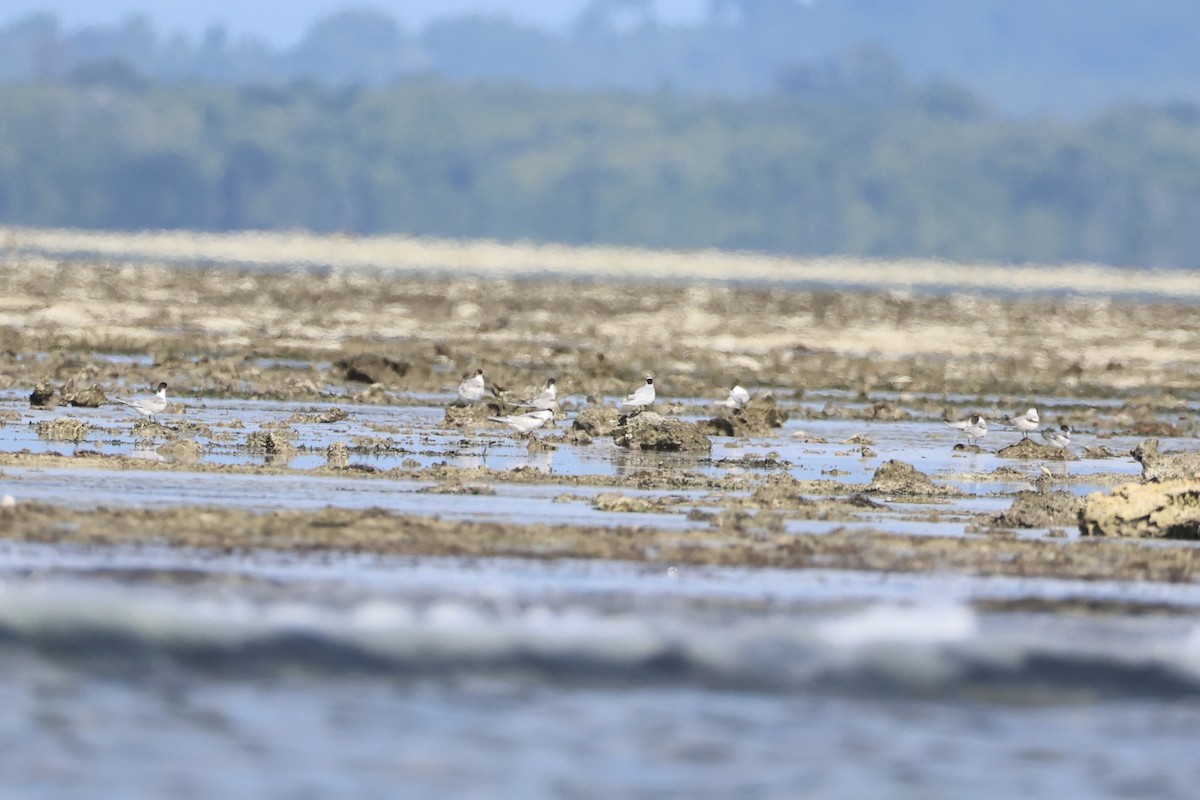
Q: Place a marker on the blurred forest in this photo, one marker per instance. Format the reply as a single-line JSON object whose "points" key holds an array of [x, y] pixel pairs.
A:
{"points": [[901, 170], [850, 153], [1065, 58]]}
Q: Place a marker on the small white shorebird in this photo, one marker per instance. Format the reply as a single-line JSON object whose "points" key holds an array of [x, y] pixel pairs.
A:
{"points": [[974, 428], [471, 390], [738, 397], [643, 397], [1059, 438], [148, 406], [547, 399], [1026, 423], [528, 422]]}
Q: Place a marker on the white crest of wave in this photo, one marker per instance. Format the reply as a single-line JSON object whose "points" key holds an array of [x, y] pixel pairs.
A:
{"points": [[921, 624], [444, 629], [459, 629], [1188, 655]]}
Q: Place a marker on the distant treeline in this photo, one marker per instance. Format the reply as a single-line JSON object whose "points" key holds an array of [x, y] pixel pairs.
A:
{"points": [[1066, 57], [902, 170]]}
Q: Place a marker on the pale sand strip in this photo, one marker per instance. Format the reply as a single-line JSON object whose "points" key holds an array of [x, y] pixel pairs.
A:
{"points": [[497, 259]]}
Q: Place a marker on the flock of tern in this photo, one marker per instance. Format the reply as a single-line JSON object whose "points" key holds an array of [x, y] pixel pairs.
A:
{"points": [[543, 406]]}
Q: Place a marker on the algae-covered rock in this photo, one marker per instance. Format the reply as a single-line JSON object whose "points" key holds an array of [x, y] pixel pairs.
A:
{"points": [[757, 418], [596, 420], [1028, 448], [459, 487], [337, 455], [897, 477], [43, 395], [474, 415], [1158, 467], [325, 417], [1169, 509], [615, 501], [86, 397], [1041, 510], [271, 442], [650, 430], [745, 523], [778, 491], [82, 391], [63, 429]]}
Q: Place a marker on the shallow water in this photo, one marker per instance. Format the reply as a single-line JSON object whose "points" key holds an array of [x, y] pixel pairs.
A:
{"points": [[158, 672], [384, 438], [141, 670]]}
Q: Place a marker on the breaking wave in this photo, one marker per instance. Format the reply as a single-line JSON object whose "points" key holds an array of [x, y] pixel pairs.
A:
{"points": [[927, 650]]}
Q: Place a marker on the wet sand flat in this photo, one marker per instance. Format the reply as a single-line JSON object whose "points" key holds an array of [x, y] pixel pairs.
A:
{"points": [[218, 328], [376, 532]]}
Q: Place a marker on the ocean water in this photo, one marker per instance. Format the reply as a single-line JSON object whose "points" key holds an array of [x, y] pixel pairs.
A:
{"points": [[144, 673]]}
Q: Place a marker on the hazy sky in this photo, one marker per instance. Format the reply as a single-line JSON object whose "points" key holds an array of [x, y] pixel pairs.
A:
{"points": [[282, 22]]}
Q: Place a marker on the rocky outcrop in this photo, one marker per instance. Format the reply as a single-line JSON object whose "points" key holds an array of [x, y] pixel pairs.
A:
{"points": [[596, 420], [63, 429], [1041, 510], [1158, 467], [85, 397], [43, 395], [1028, 448], [183, 451], [757, 418], [476, 414], [1163, 510], [650, 430], [897, 477], [272, 442], [337, 455]]}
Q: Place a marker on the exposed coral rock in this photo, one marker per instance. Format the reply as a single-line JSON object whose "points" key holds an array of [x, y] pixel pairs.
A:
{"points": [[779, 490], [63, 429], [762, 524], [1028, 448], [337, 455], [756, 418], [184, 451], [325, 417], [596, 420], [897, 477], [650, 430], [615, 501], [271, 442], [1041, 510], [451, 487], [87, 397], [476, 414], [1158, 466], [43, 395], [1170, 509]]}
